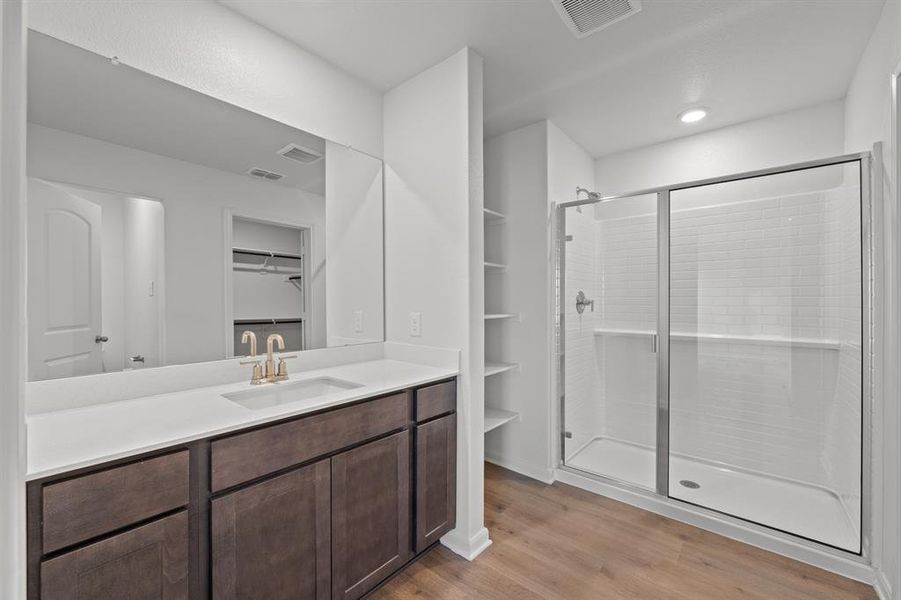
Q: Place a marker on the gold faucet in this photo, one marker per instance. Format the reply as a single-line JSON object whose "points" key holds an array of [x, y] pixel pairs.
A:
{"points": [[273, 373]]}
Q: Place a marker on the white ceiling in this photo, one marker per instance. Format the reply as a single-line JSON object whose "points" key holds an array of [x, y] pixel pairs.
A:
{"points": [[619, 88], [77, 91]]}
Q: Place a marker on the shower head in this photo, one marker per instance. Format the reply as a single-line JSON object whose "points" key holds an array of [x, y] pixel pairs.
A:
{"points": [[590, 195]]}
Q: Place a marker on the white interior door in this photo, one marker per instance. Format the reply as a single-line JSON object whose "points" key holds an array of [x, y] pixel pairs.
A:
{"points": [[64, 319]]}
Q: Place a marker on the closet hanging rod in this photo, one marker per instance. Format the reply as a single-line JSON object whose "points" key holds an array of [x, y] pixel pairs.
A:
{"points": [[267, 253], [267, 321]]}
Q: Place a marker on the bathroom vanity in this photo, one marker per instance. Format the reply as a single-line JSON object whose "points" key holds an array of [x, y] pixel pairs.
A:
{"points": [[161, 464], [327, 503]]}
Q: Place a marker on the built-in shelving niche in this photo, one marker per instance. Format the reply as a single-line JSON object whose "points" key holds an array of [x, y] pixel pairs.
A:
{"points": [[494, 322]]}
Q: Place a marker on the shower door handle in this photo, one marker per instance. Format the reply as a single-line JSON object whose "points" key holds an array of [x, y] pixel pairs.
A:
{"points": [[655, 341]]}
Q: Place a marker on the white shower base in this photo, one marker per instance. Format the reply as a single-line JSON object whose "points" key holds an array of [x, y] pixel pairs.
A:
{"points": [[805, 510]]}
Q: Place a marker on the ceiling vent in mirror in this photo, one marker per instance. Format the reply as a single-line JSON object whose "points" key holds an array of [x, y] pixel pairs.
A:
{"points": [[264, 174], [585, 17], [300, 154]]}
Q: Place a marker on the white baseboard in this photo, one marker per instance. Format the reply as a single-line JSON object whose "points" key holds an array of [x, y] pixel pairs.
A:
{"points": [[847, 566], [544, 475], [468, 548], [882, 586]]}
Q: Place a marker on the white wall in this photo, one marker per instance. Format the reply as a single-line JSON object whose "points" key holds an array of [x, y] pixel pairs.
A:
{"points": [[868, 119], [195, 199], [12, 299], [804, 134], [144, 281], [433, 179], [354, 228], [209, 48]]}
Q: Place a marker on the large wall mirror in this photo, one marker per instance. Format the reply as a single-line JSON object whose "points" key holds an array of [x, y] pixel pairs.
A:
{"points": [[163, 224]]}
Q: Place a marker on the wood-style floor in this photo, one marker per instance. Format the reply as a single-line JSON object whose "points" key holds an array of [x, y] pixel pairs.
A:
{"points": [[561, 542]]}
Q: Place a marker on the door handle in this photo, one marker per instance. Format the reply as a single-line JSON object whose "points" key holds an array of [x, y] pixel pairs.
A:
{"points": [[100, 339]]}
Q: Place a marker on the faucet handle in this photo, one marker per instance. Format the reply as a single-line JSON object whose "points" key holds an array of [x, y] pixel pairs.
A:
{"points": [[283, 367], [257, 377]]}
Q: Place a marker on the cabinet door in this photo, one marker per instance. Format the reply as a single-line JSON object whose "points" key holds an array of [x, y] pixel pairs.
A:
{"points": [[436, 480], [272, 541], [370, 514], [146, 563]]}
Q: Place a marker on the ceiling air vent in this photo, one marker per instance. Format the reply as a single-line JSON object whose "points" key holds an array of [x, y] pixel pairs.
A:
{"points": [[584, 17], [264, 174], [300, 154]]}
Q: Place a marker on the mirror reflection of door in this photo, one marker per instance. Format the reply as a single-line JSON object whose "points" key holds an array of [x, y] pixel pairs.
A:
{"points": [[64, 316], [95, 281]]}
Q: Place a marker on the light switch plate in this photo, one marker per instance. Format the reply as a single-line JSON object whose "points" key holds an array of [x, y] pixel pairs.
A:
{"points": [[416, 324], [358, 321]]}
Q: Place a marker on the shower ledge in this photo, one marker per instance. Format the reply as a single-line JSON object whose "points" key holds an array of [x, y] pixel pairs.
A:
{"points": [[762, 340]]}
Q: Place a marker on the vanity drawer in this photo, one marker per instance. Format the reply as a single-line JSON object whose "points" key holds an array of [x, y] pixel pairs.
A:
{"points": [[246, 456], [84, 507], [436, 400]]}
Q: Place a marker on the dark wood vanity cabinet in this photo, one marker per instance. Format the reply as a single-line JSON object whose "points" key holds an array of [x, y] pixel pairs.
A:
{"points": [[273, 539], [436, 476], [370, 514], [146, 563], [326, 505]]}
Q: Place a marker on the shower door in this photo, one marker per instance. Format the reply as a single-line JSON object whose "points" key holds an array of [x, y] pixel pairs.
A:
{"points": [[720, 354], [610, 339], [766, 350]]}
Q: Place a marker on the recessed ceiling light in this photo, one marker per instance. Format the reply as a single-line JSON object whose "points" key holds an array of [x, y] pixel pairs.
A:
{"points": [[693, 115]]}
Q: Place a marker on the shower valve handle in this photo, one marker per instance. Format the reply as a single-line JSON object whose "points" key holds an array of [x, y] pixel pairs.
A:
{"points": [[582, 301]]}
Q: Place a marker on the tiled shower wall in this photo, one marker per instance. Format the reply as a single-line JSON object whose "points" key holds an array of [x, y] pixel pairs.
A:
{"points": [[778, 269]]}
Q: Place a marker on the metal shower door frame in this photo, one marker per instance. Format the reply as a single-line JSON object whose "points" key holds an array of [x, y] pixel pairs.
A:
{"points": [[663, 194]]}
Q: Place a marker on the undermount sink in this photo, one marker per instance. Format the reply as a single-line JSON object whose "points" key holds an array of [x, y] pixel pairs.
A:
{"points": [[276, 394]]}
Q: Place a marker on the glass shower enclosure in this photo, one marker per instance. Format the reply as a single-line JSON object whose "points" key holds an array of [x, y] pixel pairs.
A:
{"points": [[712, 345]]}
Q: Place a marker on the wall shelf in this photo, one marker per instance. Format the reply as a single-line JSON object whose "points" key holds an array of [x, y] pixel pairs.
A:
{"points": [[499, 316], [492, 217], [496, 417], [495, 266], [495, 368]]}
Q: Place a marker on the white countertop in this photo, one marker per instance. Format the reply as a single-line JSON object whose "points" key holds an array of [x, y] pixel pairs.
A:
{"points": [[71, 439]]}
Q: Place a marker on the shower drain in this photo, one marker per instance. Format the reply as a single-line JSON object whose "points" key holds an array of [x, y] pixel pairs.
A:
{"points": [[690, 484]]}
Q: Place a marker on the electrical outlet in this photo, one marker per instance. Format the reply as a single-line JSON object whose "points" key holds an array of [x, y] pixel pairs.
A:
{"points": [[416, 324], [358, 321]]}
